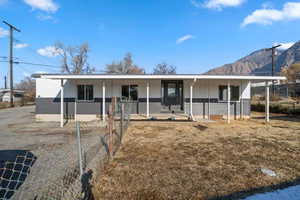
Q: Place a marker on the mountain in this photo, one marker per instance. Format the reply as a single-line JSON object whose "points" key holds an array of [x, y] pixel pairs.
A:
{"points": [[286, 58], [259, 62]]}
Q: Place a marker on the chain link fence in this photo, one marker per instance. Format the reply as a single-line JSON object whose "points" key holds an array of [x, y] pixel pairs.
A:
{"points": [[65, 170]]}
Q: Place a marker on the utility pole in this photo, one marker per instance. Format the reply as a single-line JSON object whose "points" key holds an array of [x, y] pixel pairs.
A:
{"points": [[11, 82], [273, 49], [5, 82]]}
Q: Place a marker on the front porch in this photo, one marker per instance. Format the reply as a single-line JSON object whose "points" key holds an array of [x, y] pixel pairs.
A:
{"points": [[87, 97], [178, 100]]}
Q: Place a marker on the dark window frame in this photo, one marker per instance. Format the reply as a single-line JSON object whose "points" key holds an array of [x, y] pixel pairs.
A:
{"points": [[85, 92], [131, 91], [234, 93]]}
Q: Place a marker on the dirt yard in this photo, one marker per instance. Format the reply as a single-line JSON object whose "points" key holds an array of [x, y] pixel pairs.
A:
{"points": [[193, 160]]}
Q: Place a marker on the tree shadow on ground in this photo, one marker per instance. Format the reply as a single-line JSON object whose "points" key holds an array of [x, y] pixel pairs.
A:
{"points": [[201, 127], [160, 120], [246, 193], [103, 140], [15, 166]]}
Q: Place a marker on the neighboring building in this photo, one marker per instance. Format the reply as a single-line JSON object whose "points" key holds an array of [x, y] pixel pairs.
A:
{"points": [[5, 95], [200, 96]]}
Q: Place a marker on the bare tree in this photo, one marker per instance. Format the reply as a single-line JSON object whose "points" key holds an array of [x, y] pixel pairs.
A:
{"points": [[292, 73], [28, 86], [164, 68], [126, 66], [74, 59]]}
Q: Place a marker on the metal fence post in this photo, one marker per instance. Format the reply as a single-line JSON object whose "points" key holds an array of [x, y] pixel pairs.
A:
{"points": [[79, 148], [110, 130], [75, 110], [122, 121]]}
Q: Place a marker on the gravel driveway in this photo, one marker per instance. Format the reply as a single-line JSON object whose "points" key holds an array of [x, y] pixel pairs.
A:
{"points": [[43, 150], [18, 128]]}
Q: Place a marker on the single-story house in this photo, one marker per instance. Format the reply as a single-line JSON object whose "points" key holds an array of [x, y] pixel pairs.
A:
{"points": [[5, 95], [194, 95]]}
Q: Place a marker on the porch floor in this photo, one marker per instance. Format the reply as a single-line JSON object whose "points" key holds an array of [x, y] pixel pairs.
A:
{"points": [[161, 116], [168, 116]]}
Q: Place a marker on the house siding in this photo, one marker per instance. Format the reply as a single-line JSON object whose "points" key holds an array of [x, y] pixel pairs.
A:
{"points": [[204, 91], [220, 108]]}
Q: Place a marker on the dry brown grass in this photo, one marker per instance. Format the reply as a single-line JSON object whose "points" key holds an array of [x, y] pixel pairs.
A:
{"points": [[4, 105], [186, 160]]}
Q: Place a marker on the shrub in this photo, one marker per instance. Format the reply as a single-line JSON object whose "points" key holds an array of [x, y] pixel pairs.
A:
{"points": [[258, 107], [262, 98], [276, 108]]}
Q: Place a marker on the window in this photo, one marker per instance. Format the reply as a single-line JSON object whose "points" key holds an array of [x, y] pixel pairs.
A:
{"points": [[85, 92], [18, 95], [171, 89], [130, 92], [235, 93]]}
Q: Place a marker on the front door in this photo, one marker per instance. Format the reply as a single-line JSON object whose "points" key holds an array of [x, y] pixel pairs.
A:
{"points": [[172, 93]]}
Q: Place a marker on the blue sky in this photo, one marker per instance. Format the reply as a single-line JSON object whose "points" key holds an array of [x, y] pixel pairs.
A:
{"points": [[194, 35]]}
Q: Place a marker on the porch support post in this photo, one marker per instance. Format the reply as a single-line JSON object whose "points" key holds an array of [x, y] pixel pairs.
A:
{"points": [[148, 113], [241, 101], [267, 102], [191, 100], [62, 103], [103, 100], [228, 101], [208, 94]]}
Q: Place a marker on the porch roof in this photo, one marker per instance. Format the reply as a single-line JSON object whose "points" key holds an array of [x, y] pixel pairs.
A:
{"points": [[157, 77]]}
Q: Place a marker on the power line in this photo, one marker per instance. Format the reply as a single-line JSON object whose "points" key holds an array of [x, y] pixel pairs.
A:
{"points": [[24, 70], [5, 57], [35, 64], [33, 51]]}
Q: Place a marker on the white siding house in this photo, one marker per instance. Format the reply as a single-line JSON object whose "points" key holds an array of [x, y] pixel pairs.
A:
{"points": [[5, 95], [198, 96]]}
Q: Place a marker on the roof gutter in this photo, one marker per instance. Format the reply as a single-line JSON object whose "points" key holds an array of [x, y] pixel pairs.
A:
{"points": [[155, 77]]}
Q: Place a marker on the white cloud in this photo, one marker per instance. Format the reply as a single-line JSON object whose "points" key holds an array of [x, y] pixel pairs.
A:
{"points": [[266, 16], [44, 5], [43, 17], [184, 38], [20, 45], [49, 51], [285, 46], [3, 32], [218, 4]]}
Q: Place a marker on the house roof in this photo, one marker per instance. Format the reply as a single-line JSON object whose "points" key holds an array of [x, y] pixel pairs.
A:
{"points": [[154, 76], [8, 90]]}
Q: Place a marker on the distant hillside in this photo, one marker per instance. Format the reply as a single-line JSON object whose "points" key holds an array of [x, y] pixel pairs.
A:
{"points": [[259, 62], [286, 58]]}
